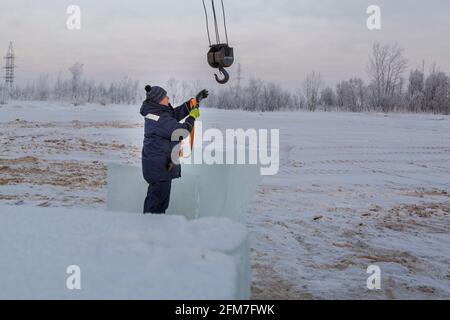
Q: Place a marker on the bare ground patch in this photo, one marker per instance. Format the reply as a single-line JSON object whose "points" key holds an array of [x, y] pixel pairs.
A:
{"points": [[274, 287], [422, 193], [75, 124], [35, 171], [424, 217], [63, 145]]}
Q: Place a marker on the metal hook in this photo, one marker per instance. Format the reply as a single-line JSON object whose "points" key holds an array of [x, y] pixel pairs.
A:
{"points": [[225, 74]]}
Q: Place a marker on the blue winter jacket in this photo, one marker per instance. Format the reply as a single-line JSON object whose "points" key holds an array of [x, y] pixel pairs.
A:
{"points": [[160, 123]]}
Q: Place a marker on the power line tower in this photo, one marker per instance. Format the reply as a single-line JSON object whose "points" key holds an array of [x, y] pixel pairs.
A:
{"points": [[10, 66]]}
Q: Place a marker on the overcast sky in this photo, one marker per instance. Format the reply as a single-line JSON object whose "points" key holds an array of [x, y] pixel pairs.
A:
{"points": [[278, 40]]}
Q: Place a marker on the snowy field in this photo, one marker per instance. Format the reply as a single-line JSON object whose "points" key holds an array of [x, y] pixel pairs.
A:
{"points": [[353, 190]]}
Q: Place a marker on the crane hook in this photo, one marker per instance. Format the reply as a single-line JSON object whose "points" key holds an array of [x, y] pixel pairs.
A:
{"points": [[226, 76]]}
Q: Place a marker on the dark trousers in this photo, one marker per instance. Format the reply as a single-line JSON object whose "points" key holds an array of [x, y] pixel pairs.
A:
{"points": [[158, 197]]}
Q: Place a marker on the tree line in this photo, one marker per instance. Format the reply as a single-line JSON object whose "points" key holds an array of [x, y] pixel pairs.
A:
{"points": [[76, 90], [386, 91]]}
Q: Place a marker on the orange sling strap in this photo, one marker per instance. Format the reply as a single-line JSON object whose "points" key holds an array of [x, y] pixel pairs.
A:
{"points": [[191, 104]]}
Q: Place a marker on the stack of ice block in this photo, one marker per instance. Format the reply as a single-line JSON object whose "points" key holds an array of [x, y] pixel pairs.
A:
{"points": [[219, 191], [121, 256], [203, 191]]}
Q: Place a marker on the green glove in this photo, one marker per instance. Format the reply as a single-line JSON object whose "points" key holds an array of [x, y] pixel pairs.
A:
{"points": [[195, 113], [202, 95]]}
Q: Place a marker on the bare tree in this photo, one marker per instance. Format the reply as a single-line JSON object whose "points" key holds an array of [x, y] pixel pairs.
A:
{"points": [[352, 95], [3, 94], [299, 100], [416, 91], [311, 88], [257, 95], [275, 98], [386, 68], [173, 86], [43, 88], [437, 92], [328, 98], [77, 72]]}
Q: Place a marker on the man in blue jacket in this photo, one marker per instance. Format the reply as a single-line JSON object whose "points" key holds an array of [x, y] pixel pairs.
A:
{"points": [[161, 122]]}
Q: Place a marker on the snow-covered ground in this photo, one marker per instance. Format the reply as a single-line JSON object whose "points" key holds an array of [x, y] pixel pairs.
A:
{"points": [[119, 255], [353, 190]]}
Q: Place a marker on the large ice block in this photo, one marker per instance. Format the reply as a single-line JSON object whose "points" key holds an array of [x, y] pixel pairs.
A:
{"points": [[203, 191], [121, 256], [221, 191]]}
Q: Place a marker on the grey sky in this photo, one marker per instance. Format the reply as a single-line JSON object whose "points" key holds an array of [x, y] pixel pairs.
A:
{"points": [[281, 41]]}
